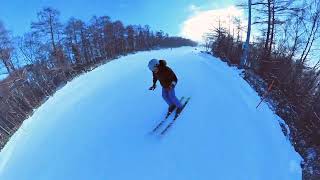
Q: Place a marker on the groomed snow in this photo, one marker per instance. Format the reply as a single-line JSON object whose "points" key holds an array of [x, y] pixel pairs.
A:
{"points": [[96, 127]]}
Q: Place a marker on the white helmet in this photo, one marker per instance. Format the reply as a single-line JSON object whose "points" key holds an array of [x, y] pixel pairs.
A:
{"points": [[153, 63]]}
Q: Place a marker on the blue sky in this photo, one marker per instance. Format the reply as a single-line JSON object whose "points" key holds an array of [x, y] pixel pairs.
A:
{"points": [[166, 15]]}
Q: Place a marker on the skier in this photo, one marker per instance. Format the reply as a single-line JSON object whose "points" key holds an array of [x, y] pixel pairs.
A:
{"points": [[168, 81]]}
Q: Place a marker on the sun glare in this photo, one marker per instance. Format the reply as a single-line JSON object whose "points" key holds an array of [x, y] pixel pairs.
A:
{"points": [[201, 22]]}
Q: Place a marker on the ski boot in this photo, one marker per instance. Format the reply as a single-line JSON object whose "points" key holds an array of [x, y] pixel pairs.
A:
{"points": [[171, 108]]}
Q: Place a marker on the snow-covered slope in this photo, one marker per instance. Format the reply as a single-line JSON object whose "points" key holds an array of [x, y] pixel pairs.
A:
{"points": [[97, 126]]}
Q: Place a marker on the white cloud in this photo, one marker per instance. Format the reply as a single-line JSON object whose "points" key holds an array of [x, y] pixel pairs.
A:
{"points": [[202, 21]]}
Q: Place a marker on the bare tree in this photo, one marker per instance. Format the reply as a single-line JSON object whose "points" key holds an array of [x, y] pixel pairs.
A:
{"points": [[49, 27], [119, 32], [48, 24], [77, 41], [6, 49], [244, 58], [31, 48], [130, 33], [312, 30]]}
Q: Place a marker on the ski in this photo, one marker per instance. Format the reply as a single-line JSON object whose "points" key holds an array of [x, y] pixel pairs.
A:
{"points": [[166, 117], [175, 118]]}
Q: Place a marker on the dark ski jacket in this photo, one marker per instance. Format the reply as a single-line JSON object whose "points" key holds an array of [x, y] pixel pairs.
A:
{"points": [[165, 75]]}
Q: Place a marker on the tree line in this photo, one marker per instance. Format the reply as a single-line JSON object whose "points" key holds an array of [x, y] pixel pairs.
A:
{"points": [[52, 53], [285, 54]]}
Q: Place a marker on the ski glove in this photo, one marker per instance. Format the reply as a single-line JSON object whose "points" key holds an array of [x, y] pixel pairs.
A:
{"points": [[153, 87], [173, 84]]}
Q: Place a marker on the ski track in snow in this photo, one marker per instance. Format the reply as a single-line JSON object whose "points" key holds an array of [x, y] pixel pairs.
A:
{"points": [[96, 127]]}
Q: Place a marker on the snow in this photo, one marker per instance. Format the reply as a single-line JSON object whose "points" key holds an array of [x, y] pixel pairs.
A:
{"points": [[97, 127]]}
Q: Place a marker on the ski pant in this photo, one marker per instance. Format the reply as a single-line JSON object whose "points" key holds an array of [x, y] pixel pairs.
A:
{"points": [[170, 97]]}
